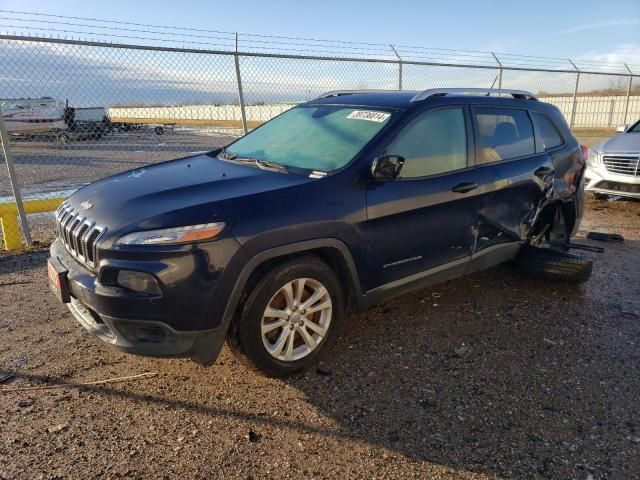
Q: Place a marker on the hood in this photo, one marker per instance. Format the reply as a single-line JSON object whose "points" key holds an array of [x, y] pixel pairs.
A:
{"points": [[187, 191], [622, 143]]}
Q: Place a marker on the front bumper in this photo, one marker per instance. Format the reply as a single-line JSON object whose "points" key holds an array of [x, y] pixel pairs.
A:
{"points": [[599, 180], [148, 338], [133, 323]]}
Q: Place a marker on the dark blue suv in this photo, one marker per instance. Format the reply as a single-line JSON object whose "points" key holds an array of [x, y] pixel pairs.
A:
{"points": [[331, 207]]}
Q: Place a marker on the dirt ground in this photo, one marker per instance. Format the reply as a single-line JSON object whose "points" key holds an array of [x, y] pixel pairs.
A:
{"points": [[491, 376]]}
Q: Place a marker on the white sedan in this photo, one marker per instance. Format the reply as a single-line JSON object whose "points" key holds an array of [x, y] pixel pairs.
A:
{"points": [[613, 166]]}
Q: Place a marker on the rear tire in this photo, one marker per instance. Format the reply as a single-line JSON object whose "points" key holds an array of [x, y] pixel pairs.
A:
{"points": [[283, 329], [555, 264]]}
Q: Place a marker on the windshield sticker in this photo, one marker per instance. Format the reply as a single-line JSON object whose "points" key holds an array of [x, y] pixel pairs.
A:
{"points": [[369, 115]]}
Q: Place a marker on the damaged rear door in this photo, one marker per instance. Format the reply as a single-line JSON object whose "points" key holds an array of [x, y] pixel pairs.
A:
{"points": [[515, 174]]}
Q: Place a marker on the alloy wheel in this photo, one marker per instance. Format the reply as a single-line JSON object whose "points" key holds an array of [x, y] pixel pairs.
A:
{"points": [[296, 319]]}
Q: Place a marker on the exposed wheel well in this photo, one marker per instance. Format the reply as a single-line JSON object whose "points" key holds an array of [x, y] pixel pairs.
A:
{"points": [[554, 224]]}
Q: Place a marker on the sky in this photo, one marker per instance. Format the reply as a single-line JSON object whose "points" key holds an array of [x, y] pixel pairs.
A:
{"points": [[88, 76], [581, 29]]}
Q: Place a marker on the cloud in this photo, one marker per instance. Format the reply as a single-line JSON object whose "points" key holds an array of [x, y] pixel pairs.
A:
{"points": [[91, 76], [628, 53], [599, 25]]}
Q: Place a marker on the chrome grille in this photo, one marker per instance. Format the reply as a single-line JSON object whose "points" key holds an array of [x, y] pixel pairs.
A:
{"points": [[79, 234], [622, 164]]}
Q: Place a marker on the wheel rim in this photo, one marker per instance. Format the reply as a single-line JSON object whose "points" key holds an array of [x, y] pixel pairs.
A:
{"points": [[296, 320]]}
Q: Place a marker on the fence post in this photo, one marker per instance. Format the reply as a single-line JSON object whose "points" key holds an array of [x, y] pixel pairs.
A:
{"points": [[500, 71], [575, 95], [399, 67], [8, 155], [626, 104], [611, 111], [243, 113]]}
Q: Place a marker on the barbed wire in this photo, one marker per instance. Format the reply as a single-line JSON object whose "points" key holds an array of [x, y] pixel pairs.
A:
{"points": [[251, 42]]}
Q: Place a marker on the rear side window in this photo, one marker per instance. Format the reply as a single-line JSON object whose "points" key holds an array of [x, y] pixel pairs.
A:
{"points": [[503, 133], [547, 132], [434, 142]]}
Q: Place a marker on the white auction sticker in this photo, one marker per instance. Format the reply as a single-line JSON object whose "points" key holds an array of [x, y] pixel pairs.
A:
{"points": [[369, 115]]}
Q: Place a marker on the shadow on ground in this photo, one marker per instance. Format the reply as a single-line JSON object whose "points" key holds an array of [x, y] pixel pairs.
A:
{"points": [[490, 375]]}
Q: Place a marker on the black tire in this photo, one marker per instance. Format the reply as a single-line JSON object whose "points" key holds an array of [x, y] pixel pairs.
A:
{"points": [[555, 264], [245, 337]]}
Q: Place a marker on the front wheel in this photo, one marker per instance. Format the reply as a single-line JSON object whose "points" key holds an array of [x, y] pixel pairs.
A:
{"points": [[290, 318]]}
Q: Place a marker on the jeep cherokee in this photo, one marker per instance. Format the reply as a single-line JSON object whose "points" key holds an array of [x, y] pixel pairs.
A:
{"points": [[331, 207]]}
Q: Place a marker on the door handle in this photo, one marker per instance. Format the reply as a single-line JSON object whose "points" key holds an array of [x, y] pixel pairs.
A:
{"points": [[543, 171], [464, 187]]}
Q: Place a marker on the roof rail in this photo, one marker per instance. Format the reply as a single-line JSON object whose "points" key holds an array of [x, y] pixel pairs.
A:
{"points": [[338, 93], [441, 92]]}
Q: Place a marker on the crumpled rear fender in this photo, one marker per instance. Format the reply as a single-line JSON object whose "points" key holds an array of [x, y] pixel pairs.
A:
{"points": [[563, 190]]}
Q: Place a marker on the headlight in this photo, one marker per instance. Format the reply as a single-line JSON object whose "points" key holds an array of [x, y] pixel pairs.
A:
{"points": [[168, 236], [593, 158]]}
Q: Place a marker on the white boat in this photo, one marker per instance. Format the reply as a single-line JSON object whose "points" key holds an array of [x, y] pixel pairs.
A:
{"points": [[33, 116]]}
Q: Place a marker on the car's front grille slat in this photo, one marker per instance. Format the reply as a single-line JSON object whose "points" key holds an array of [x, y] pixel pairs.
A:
{"points": [[92, 238], [80, 240], [622, 164], [79, 234], [71, 226]]}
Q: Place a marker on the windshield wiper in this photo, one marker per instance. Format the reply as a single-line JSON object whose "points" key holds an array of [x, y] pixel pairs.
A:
{"points": [[265, 164], [262, 164]]}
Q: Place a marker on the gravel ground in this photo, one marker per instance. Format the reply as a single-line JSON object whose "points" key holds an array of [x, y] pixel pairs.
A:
{"points": [[490, 376]]}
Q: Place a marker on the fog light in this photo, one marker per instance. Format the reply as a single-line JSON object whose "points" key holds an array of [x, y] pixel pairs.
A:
{"points": [[138, 282]]}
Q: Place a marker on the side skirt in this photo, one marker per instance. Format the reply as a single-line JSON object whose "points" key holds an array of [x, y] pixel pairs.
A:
{"points": [[486, 258], [438, 274]]}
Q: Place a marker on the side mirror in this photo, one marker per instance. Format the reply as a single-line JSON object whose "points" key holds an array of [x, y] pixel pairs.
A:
{"points": [[387, 167], [622, 128]]}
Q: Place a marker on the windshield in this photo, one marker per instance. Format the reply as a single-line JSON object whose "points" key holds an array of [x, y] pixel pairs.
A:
{"points": [[635, 128], [315, 138]]}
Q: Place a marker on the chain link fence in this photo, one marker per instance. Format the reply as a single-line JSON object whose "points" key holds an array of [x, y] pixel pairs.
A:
{"points": [[75, 111]]}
